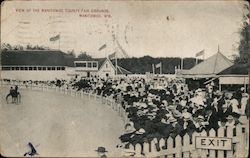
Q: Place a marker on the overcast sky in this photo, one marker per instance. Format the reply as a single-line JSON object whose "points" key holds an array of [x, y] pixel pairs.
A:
{"points": [[158, 29]]}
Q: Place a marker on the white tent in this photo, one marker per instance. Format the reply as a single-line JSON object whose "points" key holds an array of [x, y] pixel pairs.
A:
{"points": [[209, 67]]}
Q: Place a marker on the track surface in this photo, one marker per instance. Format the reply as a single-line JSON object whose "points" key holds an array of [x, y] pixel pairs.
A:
{"points": [[58, 124]]}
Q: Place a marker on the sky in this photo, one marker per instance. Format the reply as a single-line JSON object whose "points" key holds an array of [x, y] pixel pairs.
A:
{"points": [[138, 28]]}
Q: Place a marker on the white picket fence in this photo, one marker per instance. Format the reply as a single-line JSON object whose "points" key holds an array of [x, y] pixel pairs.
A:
{"points": [[180, 146], [185, 146]]}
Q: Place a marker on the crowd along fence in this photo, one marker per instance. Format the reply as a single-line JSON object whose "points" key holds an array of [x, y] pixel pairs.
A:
{"points": [[220, 143]]}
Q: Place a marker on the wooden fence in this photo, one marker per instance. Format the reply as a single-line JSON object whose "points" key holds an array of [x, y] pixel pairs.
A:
{"points": [[179, 146], [186, 146]]}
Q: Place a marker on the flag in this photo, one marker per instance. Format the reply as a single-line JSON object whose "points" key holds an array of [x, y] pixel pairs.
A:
{"points": [[158, 65], [112, 56], [102, 47], [200, 53], [55, 38]]}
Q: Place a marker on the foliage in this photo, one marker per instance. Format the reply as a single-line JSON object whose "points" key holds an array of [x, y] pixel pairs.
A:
{"points": [[144, 64], [244, 38], [84, 56]]}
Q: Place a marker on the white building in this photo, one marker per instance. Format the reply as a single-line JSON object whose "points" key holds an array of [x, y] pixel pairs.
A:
{"points": [[50, 65]]}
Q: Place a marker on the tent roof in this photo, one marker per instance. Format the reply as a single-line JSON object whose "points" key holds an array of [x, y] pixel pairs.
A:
{"points": [[236, 69], [211, 66]]}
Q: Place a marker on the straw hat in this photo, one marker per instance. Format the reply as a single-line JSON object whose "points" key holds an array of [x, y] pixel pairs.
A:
{"points": [[140, 131], [230, 117], [172, 119], [200, 117], [101, 150]]}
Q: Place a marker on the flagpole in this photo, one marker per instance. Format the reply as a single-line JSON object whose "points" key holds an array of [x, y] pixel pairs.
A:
{"points": [[161, 69], [181, 63], [59, 39], [115, 64], [153, 69]]}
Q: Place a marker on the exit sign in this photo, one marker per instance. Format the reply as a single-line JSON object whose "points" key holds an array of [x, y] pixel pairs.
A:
{"points": [[216, 143]]}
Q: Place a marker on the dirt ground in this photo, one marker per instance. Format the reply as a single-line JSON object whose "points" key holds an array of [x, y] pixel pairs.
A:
{"points": [[57, 125]]}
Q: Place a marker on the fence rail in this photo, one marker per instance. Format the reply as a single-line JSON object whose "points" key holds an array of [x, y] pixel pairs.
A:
{"points": [[172, 147]]}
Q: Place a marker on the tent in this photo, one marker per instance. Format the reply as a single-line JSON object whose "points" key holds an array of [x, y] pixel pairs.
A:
{"points": [[234, 77], [209, 67]]}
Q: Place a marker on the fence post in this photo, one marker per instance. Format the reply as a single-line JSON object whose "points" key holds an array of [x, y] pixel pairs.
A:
{"points": [[178, 146], [204, 153], [212, 134], [194, 152], [186, 147], [153, 146], [146, 148], [221, 132], [230, 135], [138, 150], [240, 142]]}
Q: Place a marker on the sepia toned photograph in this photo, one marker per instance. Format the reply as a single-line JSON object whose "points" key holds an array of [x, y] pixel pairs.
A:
{"points": [[124, 78]]}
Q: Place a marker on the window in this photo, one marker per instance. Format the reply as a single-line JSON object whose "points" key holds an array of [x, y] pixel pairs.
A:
{"points": [[58, 68], [44, 68], [12, 68], [53, 68], [25, 68], [63, 68], [89, 64], [17, 68], [49, 68], [80, 64], [30, 68], [39, 68], [5, 68], [94, 64], [34, 68], [22, 68], [107, 65]]}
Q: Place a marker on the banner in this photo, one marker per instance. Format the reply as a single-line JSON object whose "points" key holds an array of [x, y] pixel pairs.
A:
{"points": [[102, 47], [200, 53], [55, 38], [158, 65], [112, 56]]}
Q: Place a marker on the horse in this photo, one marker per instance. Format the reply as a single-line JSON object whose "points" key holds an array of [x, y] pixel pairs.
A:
{"points": [[15, 95]]}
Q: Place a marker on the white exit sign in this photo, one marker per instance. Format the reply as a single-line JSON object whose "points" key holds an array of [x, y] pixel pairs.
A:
{"points": [[216, 143]]}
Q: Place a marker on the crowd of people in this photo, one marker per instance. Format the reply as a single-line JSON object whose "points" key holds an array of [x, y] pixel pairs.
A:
{"points": [[164, 107]]}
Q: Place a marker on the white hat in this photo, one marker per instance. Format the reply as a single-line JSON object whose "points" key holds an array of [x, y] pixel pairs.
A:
{"points": [[140, 131], [186, 115], [172, 119], [230, 117], [200, 117]]}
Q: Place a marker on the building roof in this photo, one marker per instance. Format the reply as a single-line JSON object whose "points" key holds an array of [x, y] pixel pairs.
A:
{"points": [[33, 57], [209, 67], [41, 58], [236, 69]]}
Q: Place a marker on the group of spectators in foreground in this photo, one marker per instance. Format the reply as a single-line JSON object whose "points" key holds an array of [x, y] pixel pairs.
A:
{"points": [[164, 107]]}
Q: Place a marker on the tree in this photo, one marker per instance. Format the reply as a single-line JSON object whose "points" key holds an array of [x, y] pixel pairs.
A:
{"points": [[244, 38], [72, 53], [84, 55]]}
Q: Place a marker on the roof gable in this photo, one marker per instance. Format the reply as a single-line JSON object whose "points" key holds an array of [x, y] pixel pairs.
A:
{"points": [[211, 66], [104, 62]]}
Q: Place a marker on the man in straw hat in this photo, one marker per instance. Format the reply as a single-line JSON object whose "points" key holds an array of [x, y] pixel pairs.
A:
{"points": [[101, 152]]}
